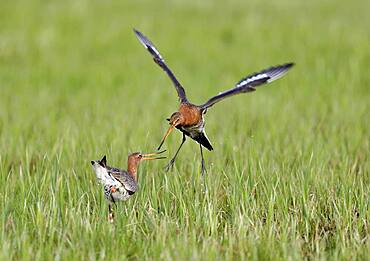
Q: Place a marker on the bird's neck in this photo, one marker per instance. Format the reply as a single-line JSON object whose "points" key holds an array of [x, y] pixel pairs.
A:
{"points": [[132, 169]]}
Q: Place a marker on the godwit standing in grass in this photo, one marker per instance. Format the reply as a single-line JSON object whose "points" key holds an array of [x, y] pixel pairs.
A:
{"points": [[120, 184], [189, 119]]}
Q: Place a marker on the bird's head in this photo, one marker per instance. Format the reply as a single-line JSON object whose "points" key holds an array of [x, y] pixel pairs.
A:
{"points": [[135, 158], [175, 120]]}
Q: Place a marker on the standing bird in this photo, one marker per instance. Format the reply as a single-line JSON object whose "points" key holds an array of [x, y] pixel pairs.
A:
{"points": [[120, 184], [189, 119]]}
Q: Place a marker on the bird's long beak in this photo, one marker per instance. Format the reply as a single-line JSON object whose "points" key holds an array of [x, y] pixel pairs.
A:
{"points": [[165, 136], [149, 156]]}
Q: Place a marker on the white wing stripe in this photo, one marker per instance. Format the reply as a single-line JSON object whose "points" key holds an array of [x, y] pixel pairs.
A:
{"points": [[147, 44], [252, 79]]}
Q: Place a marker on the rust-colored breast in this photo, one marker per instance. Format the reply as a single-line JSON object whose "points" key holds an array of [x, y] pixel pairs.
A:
{"points": [[191, 114]]}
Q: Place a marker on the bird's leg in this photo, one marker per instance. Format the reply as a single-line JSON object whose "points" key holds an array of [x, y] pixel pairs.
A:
{"points": [[203, 163], [204, 170], [110, 213], [172, 161]]}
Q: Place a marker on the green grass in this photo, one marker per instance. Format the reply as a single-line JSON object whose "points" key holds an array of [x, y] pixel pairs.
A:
{"points": [[289, 176]]}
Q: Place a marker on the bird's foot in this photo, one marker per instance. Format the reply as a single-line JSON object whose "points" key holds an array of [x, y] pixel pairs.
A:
{"points": [[169, 166]]}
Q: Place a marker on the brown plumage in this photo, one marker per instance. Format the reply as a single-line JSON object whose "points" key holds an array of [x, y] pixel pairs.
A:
{"points": [[189, 118]]}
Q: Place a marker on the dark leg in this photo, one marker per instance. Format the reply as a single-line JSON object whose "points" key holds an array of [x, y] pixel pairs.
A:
{"points": [[203, 164], [110, 213], [172, 161]]}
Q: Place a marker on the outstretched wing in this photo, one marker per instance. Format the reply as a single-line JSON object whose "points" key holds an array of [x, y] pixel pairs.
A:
{"points": [[124, 178], [249, 83], [160, 61]]}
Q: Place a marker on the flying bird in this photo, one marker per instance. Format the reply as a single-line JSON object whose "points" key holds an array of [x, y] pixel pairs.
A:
{"points": [[189, 119], [120, 185]]}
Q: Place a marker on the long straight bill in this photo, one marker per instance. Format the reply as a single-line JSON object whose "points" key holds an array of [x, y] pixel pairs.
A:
{"points": [[165, 136], [148, 156]]}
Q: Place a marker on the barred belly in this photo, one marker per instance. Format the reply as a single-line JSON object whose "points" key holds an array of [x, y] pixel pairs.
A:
{"points": [[120, 194], [194, 130]]}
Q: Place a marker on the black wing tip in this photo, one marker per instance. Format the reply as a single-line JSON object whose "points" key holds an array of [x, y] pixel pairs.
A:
{"points": [[284, 68], [137, 32], [147, 44], [281, 67], [143, 39], [287, 66], [140, 36]]}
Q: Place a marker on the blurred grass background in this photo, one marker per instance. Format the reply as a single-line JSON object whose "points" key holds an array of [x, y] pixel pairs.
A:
{"points": [[289, 176]]}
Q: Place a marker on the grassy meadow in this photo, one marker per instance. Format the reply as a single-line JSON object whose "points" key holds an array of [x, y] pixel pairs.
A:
{"points": [[288, 179]]}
